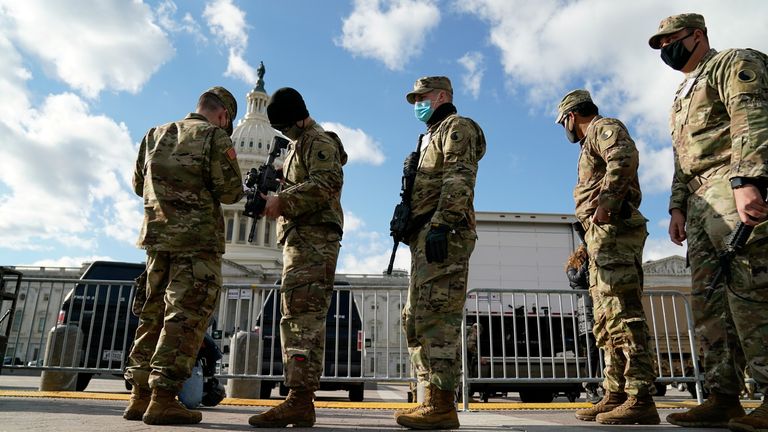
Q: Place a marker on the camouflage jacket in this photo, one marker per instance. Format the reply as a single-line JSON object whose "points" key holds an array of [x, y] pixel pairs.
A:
{"points": [[607, 170], [184, 171], [719, 121], [311, 193], [445, 179]]}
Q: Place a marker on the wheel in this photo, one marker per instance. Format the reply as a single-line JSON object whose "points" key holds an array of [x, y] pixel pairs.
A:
{"points": [[661, 389], [357, 392], [282, 389], [82, 381], [573, 395], [537, 396], [266, 389]]}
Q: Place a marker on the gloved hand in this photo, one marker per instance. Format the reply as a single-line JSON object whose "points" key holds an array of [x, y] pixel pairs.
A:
{"points": [[437, 243]]}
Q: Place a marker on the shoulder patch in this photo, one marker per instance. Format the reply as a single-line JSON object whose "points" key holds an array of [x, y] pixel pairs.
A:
{"points": [[231, 153], [606, 134], [455, 136], [746, 75], [321, 155]]}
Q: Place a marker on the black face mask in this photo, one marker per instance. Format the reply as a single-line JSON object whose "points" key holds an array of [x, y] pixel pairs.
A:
{"points": [[676, 55], [570, 134]]}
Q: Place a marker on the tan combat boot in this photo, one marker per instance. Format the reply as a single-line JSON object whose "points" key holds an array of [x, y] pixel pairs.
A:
{"points": [[165, 409], [610, 401], [138, 404], [636, 410], [439, 413], [713, 413], [756, 421], [297, 409], [427, 401]]}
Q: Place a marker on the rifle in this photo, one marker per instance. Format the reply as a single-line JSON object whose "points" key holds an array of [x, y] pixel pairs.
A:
{"points": [[260, 181], [738, 238], [399, 224]]}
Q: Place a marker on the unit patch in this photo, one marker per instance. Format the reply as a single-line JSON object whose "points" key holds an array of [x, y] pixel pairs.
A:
{"points": [[455, 136], [231, 153], [606, 134], [322, 156]]}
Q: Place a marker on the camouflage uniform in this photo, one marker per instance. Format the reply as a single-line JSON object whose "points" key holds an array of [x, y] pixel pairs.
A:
{"points": [[443, 194], [184, 171], [719, 125], [608, 177], [310, 229]]}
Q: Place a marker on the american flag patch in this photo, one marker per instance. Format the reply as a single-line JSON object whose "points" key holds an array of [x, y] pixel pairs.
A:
{"points": [[231, 153]]}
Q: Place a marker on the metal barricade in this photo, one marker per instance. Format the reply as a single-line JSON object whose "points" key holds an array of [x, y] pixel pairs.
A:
{"points": [[530, 342]]}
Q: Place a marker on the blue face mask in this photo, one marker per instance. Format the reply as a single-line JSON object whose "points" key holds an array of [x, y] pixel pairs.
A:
{"points": [[423, 110]]}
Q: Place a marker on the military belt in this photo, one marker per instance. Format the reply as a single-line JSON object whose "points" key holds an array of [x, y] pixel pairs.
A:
{"points": [[700, 180]]}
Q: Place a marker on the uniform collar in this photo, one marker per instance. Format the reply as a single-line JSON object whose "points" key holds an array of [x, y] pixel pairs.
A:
{"points": [[590, 126], [702, 63], [195, 116]]}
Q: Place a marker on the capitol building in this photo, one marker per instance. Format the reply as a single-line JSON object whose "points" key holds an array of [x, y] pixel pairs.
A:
{"points": [[261, 259]]}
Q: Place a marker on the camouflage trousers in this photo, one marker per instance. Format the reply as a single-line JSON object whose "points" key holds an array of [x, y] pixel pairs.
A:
{"points": [[309, 269], [182, 292], [616, 286], [733, 332], [433, 312]]}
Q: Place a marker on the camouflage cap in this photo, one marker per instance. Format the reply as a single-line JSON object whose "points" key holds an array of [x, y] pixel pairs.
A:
{"points": [[570, 101], [674, 24], [426, 85], [229, 102]]}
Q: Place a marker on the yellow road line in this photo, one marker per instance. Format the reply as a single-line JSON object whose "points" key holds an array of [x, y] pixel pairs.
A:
{"points": [[473, 406]]}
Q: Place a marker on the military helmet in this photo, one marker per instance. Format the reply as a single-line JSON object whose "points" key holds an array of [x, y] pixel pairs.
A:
{"points": [[228, 101]]}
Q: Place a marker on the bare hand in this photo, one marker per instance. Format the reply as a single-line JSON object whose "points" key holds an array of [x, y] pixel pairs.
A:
{"points": [[677, 226], [273, 208], [750, 205], [601, 215]]}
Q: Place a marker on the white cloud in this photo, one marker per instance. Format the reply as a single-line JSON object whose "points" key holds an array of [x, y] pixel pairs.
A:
{"points": [[227, 21], [360, 147], [548, 48], [368, 252], [473, 77], [391, 31], [166, 11], [89, 45], [352, 222], [61, 170], [657, 248], [68, 261]]}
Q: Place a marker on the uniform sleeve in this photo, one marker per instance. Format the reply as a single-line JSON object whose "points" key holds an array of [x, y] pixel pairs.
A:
{"points": [[679, 197], [461, 153], [324, 181], [621, 159], [225, 181], [138, 169], [743, 85]]}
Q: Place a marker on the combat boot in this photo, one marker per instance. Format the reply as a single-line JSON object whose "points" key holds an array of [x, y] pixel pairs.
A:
{"points": [[610, 401], [297, 409], [715, 412], [165, 409], [756, 421], [439, 413], [636, 410], [138, 404], [427, 401]]}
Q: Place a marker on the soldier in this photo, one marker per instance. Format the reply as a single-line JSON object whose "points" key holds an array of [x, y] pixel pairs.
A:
{"points": [[309, 228], [719, 125], [441, 235], [184, 171], [607, 199]]}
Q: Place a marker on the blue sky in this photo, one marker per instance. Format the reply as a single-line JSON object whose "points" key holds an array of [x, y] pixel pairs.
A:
{"points": [[82, 81]]}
